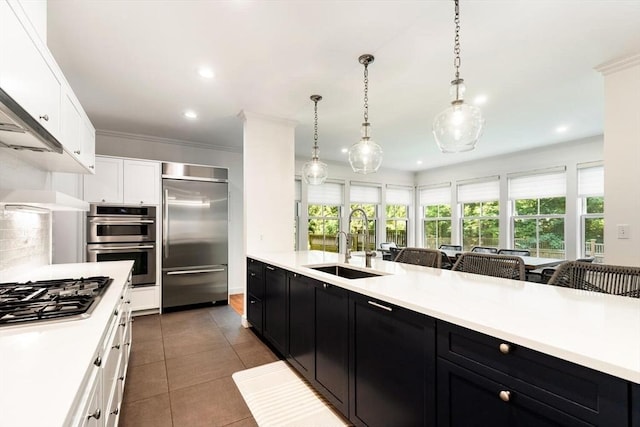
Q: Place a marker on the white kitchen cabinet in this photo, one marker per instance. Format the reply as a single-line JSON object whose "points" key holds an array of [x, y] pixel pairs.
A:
{"points": [[145, 298], [141, 182], [106, 185], [123, 181], [25, 73]]}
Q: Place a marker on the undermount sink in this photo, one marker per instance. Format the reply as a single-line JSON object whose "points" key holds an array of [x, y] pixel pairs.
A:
{"points": [[343, 271]]}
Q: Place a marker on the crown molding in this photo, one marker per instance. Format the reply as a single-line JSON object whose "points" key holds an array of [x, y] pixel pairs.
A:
{"points": [[618, 64], [183, 143], [248, 115]]}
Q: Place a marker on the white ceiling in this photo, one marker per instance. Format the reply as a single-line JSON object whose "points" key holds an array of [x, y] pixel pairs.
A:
{"points": [[133, 65]]}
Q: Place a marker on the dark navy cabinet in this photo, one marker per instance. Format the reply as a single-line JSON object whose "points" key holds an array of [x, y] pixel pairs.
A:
{"points": [[255, 294], [275, 307], [392, 365], [302, 324]]}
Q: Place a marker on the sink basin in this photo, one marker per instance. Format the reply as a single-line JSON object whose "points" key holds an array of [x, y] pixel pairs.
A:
{"points": [[346, 272]]}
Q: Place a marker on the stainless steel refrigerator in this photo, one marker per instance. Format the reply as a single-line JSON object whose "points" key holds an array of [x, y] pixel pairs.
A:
{"points": [[194, 234]]}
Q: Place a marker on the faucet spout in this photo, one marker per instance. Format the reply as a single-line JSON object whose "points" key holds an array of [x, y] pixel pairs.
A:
{"points": [[367, 253], [347, 243]]}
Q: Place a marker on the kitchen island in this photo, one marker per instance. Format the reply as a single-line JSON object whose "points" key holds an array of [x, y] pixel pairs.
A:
{"points": [[469, 322], [50, 371]]}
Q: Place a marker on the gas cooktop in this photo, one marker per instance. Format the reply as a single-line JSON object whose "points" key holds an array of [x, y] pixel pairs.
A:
{"points": [[64, 299]]}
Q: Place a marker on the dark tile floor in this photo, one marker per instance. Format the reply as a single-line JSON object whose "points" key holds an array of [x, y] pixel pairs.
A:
{"points": [[180, 369]]}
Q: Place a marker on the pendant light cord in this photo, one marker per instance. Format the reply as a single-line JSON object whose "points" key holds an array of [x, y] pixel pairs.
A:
{"points": [[315, 129], [456, 47], [366, 92]]}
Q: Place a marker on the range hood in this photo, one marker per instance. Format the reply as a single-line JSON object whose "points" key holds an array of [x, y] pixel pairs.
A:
{"points": [[48, 200], [20, 131]]}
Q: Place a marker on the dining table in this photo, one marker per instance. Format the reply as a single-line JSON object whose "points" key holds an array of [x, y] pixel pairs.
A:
{"points": [[530, 262]]}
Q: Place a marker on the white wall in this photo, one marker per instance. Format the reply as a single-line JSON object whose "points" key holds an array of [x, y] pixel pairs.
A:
{"points": [[151, 148], [268, 151], [567, 154], [622, 159]]}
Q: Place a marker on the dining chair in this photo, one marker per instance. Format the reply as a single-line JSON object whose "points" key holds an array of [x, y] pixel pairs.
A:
{"points": [[394, 252], [420, 256], [610, 279], [507, 266], [450, 247], [445, 262], [385, 248], [514, 252], [484, 250]]}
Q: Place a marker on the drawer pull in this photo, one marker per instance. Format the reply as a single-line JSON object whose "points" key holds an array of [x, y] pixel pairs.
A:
{"points": [[271, 268], [505, 395], [95, 415], [98, 361], [77, 151], [324, 285], [253, 301], [115, 412], [384, 307], [504, 348], [117, 347], [45, 117]]}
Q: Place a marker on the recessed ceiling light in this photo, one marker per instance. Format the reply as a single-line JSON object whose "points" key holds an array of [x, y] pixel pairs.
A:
{"points": [[345, 150], [480, 100], [190, 114], [562, 129], [206, 73], [419, 162]]}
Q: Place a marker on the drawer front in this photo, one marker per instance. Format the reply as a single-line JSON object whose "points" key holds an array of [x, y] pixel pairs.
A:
{"points": [[468, 399], [580, 390], [255, 267], [254, 312]]}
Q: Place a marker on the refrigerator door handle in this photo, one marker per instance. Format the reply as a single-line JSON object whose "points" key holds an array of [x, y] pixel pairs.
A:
{"points": [[165, 224], [213, 270]]}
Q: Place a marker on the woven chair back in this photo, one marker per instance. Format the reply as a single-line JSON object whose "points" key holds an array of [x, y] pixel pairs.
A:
{"points": [[506, 266], [420, 256], [451, 247], [610, 279]]}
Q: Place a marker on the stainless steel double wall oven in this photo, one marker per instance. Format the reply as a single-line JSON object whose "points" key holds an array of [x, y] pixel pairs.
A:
{"points": [[120, 232]]}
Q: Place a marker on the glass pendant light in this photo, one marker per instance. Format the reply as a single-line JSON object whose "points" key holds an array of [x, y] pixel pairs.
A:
{"points": [[459, 127], [365, 156], [314, 171]]}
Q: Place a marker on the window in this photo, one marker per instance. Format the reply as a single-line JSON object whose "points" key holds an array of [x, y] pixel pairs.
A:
{"points": [[325, 202], [397, 214], [591, 194], [480, 210], [366, 198], [538, 207], [435, 203]]}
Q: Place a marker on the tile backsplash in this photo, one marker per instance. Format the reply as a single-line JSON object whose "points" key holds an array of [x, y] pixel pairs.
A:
{"points": [[25, 239]]}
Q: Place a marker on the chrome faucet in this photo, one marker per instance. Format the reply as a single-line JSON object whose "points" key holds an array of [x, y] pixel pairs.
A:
{"points": [[367, 253], [347, 243]]}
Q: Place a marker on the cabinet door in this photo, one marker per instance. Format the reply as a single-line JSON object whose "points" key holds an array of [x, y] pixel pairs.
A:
{"points": [[24, 72], [106, 185], [466, 399], [275, 307], [392, 366], [255, 294], [71, 127], [302, 324], [332, 344], [88, 147], [141, 182]]}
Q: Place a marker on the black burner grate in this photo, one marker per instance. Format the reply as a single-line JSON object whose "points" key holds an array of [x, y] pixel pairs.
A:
{"points": [[49, 299]]}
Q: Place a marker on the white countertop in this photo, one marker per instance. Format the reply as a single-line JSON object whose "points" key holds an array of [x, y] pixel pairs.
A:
{"points": [[42, 366], [596, 330]]}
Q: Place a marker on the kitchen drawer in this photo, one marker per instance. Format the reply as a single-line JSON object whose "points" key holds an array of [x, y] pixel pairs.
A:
{"points": [[255, 312], [255, 267], [578, 390]]}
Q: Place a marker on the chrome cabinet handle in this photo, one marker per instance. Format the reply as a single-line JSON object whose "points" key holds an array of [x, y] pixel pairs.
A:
{"points": [[213, 270], [165, 224], [114, 412], [504, 348], [117, 248], [505, 395], [252, 274], [121, 222], [325, 286], [45, 117], [96, 414], [77, 152], [384, 307], [253, 301], [115, 312], [91, 167], [98, 361], [117, 347], [271, 268]]}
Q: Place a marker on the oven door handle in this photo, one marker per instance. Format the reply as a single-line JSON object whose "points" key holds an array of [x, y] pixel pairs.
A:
{"points": [[118, 248], [213, 270], [122, 222], [165, 224]]}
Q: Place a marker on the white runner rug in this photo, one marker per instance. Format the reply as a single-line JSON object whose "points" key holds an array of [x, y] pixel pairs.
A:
{"points": [[277, 397]]}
